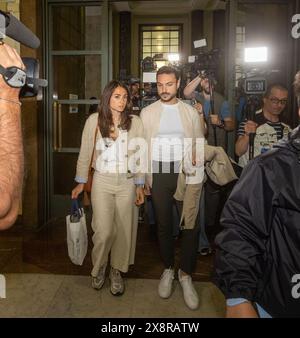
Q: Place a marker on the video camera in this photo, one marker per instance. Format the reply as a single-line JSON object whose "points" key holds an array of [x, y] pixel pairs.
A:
{"points": [[253, 87], [206, 63], [15, 77]]}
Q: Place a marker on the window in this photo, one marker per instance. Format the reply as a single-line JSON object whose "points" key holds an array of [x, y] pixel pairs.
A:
{"points": [[159, 41]]}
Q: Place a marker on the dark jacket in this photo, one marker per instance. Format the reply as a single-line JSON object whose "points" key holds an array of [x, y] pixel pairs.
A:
{"points": [[258, 252]]}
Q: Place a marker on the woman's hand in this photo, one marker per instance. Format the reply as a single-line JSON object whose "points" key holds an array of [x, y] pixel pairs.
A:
{"points": [[77, 190], [140, 197]]}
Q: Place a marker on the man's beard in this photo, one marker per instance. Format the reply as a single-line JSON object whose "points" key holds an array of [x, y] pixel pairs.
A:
{"points": [[169, 98]]}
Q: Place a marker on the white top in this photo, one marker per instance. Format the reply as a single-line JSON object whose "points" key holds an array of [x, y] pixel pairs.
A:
{"points": [[112, 158], [167, 146]]}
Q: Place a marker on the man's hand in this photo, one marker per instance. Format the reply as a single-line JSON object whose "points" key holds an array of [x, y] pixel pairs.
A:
{"points": [[198, 107], [215, 120], [147, 190], [139, 196], [250, 127], [243, 310]]}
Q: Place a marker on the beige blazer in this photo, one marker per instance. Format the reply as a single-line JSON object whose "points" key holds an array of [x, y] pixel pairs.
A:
{"points": [[151, 115], [219, 169], [87, 145], [193, 128], [218, 166]]}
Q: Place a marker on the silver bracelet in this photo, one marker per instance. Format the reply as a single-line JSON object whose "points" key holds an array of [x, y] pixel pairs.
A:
{"points": [[11, 101]]}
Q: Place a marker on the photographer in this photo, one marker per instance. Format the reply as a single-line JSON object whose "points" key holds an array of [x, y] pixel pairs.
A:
{"points": [[217, 126], [266, 125], [222, 119], [11, 147]]}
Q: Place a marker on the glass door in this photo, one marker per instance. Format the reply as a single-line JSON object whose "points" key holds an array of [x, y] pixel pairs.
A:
{"points": [[77, 71]]}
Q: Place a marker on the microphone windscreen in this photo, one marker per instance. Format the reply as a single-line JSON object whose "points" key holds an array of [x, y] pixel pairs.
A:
{"points": [[19, 32]]}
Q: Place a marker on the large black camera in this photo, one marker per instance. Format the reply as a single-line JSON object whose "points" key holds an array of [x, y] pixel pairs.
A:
{"points": [[33, 83], [30, 82], [206, 63]]}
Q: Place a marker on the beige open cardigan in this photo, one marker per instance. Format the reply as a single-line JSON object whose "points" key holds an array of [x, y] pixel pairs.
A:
{"points": [[218, 165]]}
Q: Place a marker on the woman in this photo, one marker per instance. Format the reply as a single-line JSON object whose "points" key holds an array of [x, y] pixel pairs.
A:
{"points": [[115, 189]]}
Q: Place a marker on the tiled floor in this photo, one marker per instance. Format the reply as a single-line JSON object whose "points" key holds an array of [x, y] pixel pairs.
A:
{"points": [[61, 296], [42, 282]]}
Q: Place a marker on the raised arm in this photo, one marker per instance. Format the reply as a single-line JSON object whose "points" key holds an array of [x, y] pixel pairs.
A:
{"points": [[11, 146], [191, 86]]}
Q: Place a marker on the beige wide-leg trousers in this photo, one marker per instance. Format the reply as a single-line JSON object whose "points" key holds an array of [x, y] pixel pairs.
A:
{"points": [[115, 221]]}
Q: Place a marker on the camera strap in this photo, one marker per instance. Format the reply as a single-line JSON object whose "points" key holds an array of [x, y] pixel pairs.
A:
{"points": [[15, 77]]}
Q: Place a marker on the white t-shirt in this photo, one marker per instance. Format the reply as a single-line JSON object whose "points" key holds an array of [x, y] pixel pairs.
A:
{"points": [[168, 143]]}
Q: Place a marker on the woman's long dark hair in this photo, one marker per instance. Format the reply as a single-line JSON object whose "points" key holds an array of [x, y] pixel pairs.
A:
{"points": [[105, 120]]}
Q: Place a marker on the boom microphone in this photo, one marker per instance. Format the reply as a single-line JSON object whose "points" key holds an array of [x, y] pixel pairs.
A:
{"points": [[17, 31]]}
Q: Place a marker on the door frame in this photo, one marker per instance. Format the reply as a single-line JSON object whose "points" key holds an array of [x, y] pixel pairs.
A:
{"points": [[48, 205]]}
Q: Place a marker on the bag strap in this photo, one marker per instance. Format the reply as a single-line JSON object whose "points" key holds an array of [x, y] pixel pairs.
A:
{"points": [[94, 146], [76, 207]]}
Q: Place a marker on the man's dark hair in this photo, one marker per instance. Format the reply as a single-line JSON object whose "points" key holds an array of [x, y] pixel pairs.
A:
{"points": [[274, 86], [168, 70]]}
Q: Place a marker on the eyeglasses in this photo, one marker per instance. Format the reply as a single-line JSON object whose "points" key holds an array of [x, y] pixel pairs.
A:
{"points": [[276, 101]]}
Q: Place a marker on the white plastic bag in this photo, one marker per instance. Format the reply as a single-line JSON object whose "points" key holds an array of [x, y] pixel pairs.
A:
{"points": [[77, 238]]}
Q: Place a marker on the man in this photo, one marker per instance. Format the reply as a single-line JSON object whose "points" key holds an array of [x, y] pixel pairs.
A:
{"points": [[218, 125], [166, 123], [258, 258], [134, 89], [222, 120], [267, 126], [11, 148]]}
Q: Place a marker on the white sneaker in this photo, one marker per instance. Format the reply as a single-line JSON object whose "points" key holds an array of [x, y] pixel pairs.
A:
{"points": [[165, 284], [189, 293], [97, 282]]}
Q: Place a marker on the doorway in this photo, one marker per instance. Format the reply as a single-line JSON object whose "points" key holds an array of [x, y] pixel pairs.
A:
{"points": [[77, 66]]}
